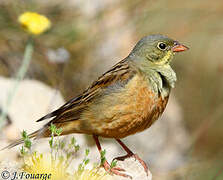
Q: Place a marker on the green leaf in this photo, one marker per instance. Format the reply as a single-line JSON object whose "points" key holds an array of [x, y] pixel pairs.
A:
{"points": [[73, 141], [77, 147], [51, 142], [62, 144], [69, 155], [86, 161], [24, 134], [103, 152], [58, 131], [52, 128], [28, 143], [87, 152], [23, 151], [113, 163], [103, 159], [80, 167]]}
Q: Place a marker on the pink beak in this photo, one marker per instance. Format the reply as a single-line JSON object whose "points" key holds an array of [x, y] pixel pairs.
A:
{"points": [[179, 47]]}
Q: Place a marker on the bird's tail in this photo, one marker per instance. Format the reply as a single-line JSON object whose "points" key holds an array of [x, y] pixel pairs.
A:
{"points": [[36, 134], [69, 127]]}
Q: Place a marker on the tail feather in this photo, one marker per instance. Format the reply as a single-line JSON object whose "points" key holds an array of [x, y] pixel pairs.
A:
{"points": [[35, 135], [50, 115]]}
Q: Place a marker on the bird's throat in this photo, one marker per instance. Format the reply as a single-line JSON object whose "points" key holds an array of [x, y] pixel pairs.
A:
{"points": [[161, 79]]}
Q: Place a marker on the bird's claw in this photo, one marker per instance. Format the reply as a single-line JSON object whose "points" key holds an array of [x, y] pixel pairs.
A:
{"points": [[115, 170]]}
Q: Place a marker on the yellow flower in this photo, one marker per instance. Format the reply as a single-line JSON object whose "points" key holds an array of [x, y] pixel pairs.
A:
{"points": [[45, 164], [57, 169], [34, 23]]}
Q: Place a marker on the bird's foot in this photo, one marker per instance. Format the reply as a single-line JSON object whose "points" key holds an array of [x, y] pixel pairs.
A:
{"points": [[122, 158], [114, 170]]}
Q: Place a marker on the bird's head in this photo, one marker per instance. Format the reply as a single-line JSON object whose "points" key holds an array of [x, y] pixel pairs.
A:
{"points": [[157, 49]]}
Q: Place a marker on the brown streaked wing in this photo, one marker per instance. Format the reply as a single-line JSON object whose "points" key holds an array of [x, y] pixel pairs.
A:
{"points": [[72, 109]]}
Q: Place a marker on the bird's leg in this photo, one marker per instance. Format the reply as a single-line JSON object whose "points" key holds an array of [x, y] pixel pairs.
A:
{"points": [[106, 165], [131, 154]]}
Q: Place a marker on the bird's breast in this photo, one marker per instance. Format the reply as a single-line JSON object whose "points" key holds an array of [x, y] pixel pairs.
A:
{"points": [[129, 110]]}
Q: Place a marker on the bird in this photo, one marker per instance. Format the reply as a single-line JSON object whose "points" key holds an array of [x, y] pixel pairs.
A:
{"points": [[126, 99]]}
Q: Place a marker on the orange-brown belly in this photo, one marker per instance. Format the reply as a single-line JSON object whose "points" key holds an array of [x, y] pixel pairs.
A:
{"points": [[123, 113]]}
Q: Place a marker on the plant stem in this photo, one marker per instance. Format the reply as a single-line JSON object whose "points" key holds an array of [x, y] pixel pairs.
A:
{"points": [[20, 75]]}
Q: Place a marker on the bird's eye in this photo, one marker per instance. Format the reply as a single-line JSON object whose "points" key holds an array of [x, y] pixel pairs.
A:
{"points": [[162, 46]]}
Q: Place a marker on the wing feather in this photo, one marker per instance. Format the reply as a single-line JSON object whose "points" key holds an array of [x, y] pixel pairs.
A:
{"points": [[70, 111]]}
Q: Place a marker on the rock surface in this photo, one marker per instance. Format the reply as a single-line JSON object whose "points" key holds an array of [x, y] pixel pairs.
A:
{"points": [[134, 169], [32, 100]]}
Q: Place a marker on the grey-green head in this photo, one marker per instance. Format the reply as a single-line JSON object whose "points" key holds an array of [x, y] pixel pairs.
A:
{"points": [[157, 49]]}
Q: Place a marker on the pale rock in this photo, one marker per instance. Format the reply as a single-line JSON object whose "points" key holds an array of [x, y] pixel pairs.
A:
{"points": [[32, 100], [132, 168]]}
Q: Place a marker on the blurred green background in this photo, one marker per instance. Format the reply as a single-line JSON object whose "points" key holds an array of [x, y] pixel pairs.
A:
{"points": [[90, 36]]}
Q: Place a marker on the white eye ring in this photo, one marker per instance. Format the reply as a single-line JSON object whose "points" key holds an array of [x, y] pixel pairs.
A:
{"points": [[162, 46]]}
